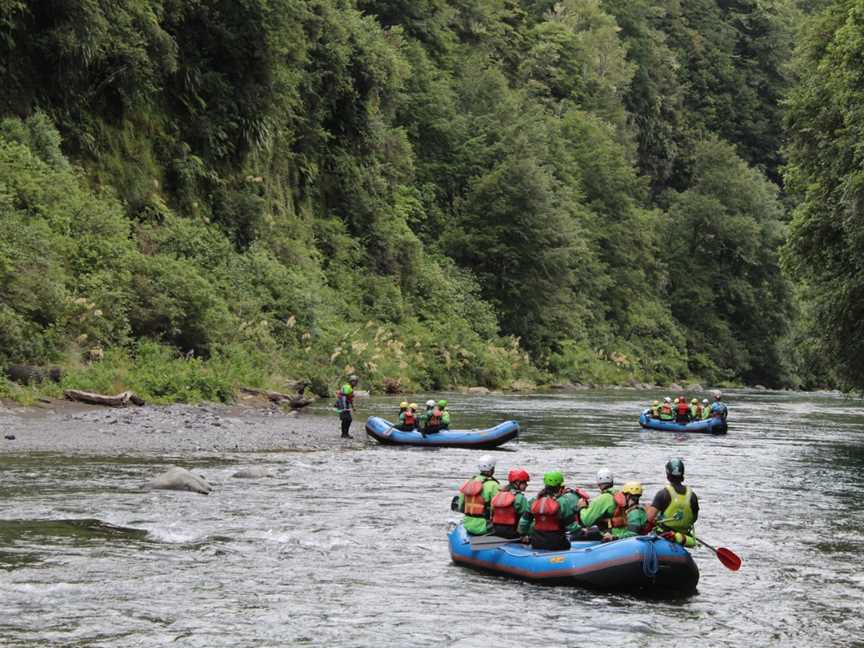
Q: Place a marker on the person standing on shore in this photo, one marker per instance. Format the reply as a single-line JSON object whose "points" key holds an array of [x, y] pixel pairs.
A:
{"points": [[345, 405]]}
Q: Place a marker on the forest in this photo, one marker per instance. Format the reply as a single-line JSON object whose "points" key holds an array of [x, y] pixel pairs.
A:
{"points": [[201, 194]]}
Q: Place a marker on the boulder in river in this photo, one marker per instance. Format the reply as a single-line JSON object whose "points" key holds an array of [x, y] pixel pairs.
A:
{"points": [[253, 472], [176, 478]]}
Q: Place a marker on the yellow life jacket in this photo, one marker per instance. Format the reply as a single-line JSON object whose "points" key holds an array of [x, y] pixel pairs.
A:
{"points": [[679, 516]]}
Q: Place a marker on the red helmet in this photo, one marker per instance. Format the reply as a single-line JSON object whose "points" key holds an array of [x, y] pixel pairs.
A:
{"points": [[517, 474]]}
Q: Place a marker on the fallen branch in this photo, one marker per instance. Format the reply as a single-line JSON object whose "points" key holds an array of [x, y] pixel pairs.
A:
{"points": [[296, 402], [120, 400]]}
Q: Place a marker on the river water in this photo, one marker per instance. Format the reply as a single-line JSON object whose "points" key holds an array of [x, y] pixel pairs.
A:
{"points": [[347, 546]]}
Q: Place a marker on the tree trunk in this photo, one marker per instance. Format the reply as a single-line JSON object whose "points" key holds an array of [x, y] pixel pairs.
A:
{"points": [[120, 400]]}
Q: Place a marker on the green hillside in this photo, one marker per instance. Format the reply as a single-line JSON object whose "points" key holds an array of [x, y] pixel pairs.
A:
{"points": [[200, 194]]}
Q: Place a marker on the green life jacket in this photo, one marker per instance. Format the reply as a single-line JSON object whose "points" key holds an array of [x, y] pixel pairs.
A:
{"points": [[678, 516]]}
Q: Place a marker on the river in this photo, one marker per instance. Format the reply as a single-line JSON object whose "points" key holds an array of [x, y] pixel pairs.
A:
{"points": [[346, 546]]}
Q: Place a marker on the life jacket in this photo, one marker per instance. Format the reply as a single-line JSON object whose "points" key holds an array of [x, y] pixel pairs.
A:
{"points": [[696, 411], [434, 417], [683, 408], [343, 402], [679, 502], [546, 512], [409, 418], [666, 410], [619, 515], [472, 490], [504, 508]]}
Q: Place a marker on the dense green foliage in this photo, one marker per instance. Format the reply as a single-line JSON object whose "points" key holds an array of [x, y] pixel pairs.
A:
{"points": [[826, 247], [428, 193]]}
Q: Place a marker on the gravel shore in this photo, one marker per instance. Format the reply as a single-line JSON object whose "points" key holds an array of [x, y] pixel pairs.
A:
{"points": [[67, 427]]}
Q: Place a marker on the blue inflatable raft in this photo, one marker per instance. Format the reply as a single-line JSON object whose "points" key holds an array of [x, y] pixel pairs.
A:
{"points": [[646, 563], [715, 425], [384, 432]]}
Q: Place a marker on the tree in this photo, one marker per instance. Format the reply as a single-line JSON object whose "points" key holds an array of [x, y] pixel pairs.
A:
{"points": [[825, 127], [725, 282]]}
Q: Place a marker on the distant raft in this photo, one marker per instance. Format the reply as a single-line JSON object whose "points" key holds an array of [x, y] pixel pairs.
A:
{"points": [[641, 563], [384, 432], [714, 425]]}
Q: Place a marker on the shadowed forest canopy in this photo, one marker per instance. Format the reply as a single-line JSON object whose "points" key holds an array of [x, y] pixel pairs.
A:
{"points": [[430, 193]]}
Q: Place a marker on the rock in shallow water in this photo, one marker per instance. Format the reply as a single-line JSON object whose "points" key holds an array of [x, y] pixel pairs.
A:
{"points": [[180, 479], [252, 473]]}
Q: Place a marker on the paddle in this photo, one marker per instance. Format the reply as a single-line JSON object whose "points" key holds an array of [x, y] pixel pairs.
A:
{"points": [[726, 556], [490, 541], [729, 558]]}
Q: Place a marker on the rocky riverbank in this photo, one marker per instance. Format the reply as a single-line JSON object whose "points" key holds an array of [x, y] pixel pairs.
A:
{"points": [[66, 427]]}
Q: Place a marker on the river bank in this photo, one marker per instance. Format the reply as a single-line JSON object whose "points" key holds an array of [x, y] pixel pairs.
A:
{"points": [[75, 428]]}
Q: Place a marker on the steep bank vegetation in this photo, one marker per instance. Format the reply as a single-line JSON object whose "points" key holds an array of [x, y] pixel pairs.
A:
{"points": [[427, 193]]}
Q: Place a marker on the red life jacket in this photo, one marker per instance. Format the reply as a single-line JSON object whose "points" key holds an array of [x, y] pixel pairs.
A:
{"points": [[475, 505], [683, 408], [546, 510], [504, 508], [619, 515], [434, 417], [665, 408], [408, 419]]}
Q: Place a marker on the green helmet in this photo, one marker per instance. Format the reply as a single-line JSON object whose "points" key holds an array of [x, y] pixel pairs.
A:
{"points": [[553, 479], [675, 467], [347, 390], [442, 403]]}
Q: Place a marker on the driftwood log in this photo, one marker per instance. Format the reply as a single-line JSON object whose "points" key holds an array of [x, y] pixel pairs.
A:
{"points": [[120, 400], [296, 402]]}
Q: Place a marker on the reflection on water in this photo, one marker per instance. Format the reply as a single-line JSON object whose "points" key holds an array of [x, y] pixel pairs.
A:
{"points": [[347, 547]]}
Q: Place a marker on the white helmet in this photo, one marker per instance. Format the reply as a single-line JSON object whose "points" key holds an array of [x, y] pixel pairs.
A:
{"points": [[486, 464], [667, 400], [430, 403], [604, 476], [704, 401]]}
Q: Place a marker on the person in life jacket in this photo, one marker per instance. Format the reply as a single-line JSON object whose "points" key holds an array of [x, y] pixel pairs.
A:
{"points": [[695, 410], [345, 405], [675, 508], [706, 409], [601, 509], [718, 407], [408, 417], [655, 409], [634, 517], [445, 415], [510, 504], [682, 411], [550, 514], [475, 497], [434, 417], [426, 414], [667, 413]]}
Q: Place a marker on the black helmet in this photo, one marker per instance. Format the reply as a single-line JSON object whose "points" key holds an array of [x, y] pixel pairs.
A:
{"points": [[675, 468]]}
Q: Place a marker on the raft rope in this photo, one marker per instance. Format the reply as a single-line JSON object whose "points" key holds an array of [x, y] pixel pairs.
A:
{"points": [[650, 563]]}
